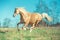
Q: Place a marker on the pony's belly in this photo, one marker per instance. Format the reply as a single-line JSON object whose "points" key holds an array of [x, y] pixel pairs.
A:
{"points": [[30, 23]]}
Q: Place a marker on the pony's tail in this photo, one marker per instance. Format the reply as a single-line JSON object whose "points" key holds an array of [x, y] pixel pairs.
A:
{"points": [[47, 17]]}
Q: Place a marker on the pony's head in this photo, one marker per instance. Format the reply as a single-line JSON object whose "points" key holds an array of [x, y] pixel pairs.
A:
{"points": [[19, 10], [45, 15], [16, 12]]}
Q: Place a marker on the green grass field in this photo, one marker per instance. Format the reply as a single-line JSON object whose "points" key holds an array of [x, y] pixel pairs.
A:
{"points": [[42, 33]]}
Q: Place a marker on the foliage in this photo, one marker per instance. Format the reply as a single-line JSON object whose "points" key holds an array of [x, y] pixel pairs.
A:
{"points": [[6, 22], [50, 7]]}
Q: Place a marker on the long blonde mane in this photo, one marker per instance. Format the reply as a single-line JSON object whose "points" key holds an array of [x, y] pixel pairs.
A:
{"points": [[23, 11]]}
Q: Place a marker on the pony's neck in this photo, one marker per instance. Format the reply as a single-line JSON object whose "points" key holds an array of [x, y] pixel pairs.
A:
{"points": [[23, 15]]}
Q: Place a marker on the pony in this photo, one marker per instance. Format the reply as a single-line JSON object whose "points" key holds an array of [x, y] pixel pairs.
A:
{"points": [[29, 18]]}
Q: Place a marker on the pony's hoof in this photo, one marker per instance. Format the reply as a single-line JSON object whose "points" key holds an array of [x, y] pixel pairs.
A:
{"points": [[18, 30], [24, 28], [30, 30]]}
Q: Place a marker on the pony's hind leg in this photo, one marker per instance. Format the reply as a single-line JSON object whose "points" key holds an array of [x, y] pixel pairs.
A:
{"points": [[32, 27], [37, 23]]}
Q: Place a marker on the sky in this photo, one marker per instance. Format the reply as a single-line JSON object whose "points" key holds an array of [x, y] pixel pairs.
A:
{"points": [[7, 8]]}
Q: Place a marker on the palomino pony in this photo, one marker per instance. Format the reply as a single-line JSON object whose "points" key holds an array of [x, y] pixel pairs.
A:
{"points": [[28, 18]]}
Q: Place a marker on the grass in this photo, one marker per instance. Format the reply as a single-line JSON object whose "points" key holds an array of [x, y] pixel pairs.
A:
{"points": [[42, 33]]}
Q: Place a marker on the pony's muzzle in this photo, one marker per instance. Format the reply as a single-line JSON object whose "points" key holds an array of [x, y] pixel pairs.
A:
{"points": [[13, 15]]}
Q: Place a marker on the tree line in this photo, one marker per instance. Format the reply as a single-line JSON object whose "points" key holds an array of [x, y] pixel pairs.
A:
{"points": [[6, 23], [51, 9]]}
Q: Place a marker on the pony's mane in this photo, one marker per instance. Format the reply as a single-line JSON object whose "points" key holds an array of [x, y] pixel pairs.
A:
{"points": [[21, 9]]}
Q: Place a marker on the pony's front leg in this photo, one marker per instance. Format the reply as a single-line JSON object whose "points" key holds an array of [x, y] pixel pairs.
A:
{"points": [[25, 25], [18, 25], [32, 27]]}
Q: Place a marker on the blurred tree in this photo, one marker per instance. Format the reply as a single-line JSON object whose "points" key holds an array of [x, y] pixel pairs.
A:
{"points": [[6, 22], [39, 6], [42, 7], [51, 9], [0, 23], [54, 11]]}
